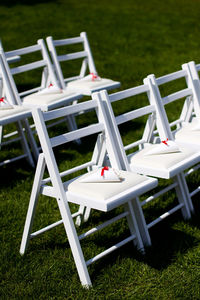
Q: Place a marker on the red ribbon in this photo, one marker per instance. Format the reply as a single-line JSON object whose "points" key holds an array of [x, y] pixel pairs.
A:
{"points": [[50, 85], [94, 76], [2, 99], [104, 169], [165, 142]]}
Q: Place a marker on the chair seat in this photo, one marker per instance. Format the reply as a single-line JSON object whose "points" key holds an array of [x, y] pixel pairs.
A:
{"points": [[87, 87], [7, 114], [108, 195], [189, 133], [42, 100], [164, 165]]}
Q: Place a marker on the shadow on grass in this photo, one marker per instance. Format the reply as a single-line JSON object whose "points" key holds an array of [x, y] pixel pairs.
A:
{"points": [[167, 244], [23, 2], [15, 172]]}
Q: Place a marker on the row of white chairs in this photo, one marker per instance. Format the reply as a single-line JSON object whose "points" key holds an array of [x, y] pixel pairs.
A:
{"points": [[164, 152], [55, 89]]}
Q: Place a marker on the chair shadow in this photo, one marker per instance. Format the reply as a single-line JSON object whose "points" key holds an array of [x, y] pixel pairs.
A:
{"points": [[13, 173], [167, 242], [23, 2]]}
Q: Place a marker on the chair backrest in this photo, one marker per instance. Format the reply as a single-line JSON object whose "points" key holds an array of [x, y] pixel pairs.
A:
{"points": [[6, 90], [193, 82], [48, 143], [189, 92], [155, 116], [85, 54], [42, 62], [14, 114]]}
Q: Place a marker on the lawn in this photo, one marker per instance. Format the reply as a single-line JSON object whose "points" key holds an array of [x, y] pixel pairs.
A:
{"points": [[129, 40]]}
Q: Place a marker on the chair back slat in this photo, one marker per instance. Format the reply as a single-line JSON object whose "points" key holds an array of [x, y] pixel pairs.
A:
{"points": [[128, 93], [77, 134], [178, 95], [23, 51], [28, 67], [70, 41], [72, 109], [72, 56], [171, 77], [140, 112]]}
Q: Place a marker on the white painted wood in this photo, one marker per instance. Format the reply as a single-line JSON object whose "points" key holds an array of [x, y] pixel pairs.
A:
{"points": [[190, 109], [44, 64], [72, 56], [69, 41], [170, 77], [128, 93], [158, 116], [28, 67], [60, 190], [194, 83], [178, 95], [87, 63], [17, 115]]}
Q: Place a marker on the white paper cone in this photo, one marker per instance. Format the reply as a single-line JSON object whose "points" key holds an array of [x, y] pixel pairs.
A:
{"points": [[90, 77], [196, 126], [162, 148], [53, 89], [110, 175], [4, 104]]}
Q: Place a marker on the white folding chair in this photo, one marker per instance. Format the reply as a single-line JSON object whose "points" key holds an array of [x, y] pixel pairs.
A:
{"points": [[101, 196], [16, 114], [49, 94], [186, 128], [143, 161], [82, 83]]}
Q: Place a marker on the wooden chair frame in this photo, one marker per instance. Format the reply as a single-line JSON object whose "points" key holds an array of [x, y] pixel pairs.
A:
{"points": [[47, 77], [88, 62], [19, 116], [60, 190], [175, 172]]}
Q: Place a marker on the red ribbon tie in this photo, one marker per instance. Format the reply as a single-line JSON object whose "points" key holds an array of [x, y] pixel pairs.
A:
{"points": [[50, 85], [104, 169], [2, 99], [94, 76], [165, 142]]}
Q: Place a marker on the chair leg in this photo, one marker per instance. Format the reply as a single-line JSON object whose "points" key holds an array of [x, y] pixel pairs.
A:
{"points": [[144, 232], [67, 221], [31, 140], [33, 203], [87, 214], [182, 197], [81, 212], [84, 214], [187, 193], [133, 226], [24, 143], [74, 242], [1, 135]]}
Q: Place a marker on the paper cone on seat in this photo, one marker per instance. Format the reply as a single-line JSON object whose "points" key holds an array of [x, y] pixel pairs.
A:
{"points": [[196, 126], [162, 148], [91, 77], [109, 175], [51, 89], [4, 104]]}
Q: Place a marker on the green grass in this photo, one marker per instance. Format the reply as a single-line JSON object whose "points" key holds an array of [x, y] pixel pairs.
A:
{"points": [[129, 40]]}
